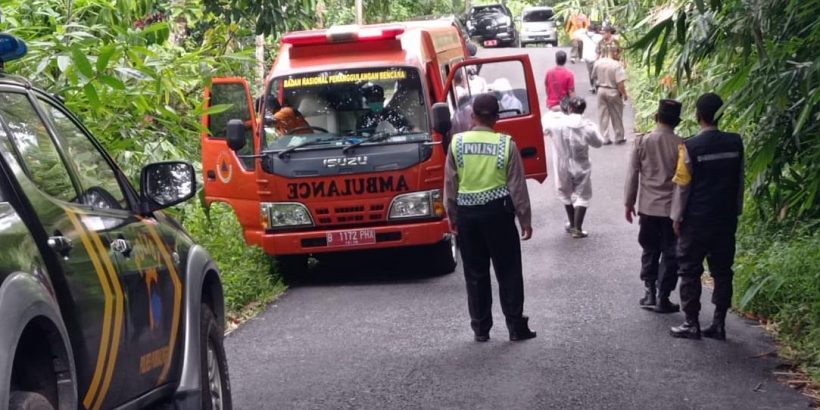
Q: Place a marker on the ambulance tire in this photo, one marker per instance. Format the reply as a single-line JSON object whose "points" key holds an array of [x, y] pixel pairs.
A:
{"points": [[26, 400], [292, 267], [216, 386], [444, 257]]}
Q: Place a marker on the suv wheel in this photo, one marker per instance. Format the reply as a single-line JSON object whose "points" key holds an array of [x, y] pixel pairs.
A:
{"points": [[26, 400], [216, 387], [444, 257]]}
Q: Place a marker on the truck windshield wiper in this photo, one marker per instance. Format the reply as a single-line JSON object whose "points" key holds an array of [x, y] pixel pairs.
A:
{"points": [[379, 137], [373, 138], [304, 144]]}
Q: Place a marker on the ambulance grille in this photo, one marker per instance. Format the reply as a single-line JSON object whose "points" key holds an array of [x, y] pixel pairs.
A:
{"points": [[355, 213]]}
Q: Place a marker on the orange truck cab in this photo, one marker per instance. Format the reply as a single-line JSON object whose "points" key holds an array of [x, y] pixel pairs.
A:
{"points": [[346, 147]]}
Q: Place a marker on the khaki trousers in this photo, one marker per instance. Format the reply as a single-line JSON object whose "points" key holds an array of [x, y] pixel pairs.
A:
{"points": [[611, 110]]}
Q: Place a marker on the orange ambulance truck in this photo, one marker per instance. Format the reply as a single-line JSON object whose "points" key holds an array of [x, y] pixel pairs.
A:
{"points": [[371, 111]]}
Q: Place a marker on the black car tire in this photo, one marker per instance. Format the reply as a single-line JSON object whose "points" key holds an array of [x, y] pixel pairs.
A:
{"points": [[26, 400], [444, 257], [516, 42], [216, 386]]}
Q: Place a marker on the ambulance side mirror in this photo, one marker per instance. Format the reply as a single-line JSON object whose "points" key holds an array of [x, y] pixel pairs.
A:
{"points": [[441, 118], [236, 134]]}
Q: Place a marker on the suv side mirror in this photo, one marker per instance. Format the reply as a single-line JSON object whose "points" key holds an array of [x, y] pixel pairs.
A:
{"points": [[165, 184], [236, 134], [441, 118]]}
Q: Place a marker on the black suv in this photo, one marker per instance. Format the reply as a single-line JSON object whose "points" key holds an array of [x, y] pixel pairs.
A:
{"points": [[105, 301], [493, 25]]}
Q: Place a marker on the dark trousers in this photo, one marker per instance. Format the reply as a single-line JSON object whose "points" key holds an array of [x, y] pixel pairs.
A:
{"points": [[577, 50], [713, 240], [488, 233], [659, 263]]}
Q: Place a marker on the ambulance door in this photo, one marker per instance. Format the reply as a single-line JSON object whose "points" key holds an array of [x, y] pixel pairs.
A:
{"points": [[511, 80], [230, 176]]}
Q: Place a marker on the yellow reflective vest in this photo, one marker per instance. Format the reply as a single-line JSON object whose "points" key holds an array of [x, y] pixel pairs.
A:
{"points": [[481, 159]]}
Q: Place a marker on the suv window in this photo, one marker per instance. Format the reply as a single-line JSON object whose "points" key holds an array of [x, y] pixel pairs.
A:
{"points": [[38, 154], [101, 188]]}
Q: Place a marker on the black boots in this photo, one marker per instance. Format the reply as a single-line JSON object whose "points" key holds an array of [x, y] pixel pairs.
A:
{"points": [[690, 329], [648, 301], [717, 330], [664, 305], [577, 231], [659, 303], [520, 330], [570, 217]]}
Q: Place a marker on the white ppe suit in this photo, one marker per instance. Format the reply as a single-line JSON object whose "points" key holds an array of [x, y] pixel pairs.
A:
{"points": [[570, 138]]}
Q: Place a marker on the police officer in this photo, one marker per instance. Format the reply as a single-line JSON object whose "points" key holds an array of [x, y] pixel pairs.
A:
{"points": [[705, 206], [485, 189], [649, 183]]}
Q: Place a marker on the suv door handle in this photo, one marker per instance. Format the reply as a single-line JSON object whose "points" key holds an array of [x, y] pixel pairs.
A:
{"points": [[61, 244], [122, 246]]}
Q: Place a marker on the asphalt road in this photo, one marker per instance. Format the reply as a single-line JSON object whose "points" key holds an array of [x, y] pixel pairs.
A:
{"points": [[380, 334]]}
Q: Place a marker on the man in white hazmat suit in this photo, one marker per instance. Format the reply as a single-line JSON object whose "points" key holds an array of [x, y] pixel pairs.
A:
{"points": [[570, 139]]}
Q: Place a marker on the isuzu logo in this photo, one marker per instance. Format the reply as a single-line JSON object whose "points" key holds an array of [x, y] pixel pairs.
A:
{"points": [[345, 161]]}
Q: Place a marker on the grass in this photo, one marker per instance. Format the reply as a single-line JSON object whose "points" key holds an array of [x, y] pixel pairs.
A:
{"points": [[777, 278], [249, 276]]}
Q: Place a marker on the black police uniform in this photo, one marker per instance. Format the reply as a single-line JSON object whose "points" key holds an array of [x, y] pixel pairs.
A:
{"points": [[486, 223], [714, 201]]}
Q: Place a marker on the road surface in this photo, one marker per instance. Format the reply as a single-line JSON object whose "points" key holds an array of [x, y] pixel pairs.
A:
{"points": [[395, 338]]}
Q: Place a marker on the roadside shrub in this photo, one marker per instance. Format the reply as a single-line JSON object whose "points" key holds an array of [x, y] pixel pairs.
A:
{"points": [[248, 274], [777, 277]]}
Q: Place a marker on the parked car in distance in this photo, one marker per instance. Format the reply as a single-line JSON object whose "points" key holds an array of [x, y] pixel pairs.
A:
{"points": [[538, 26], [105, 301], [492, 25]]}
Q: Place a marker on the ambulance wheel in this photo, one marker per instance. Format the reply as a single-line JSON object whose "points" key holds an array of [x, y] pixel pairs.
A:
{"points": [[26, 400], [292, 267], [445, 256], [216, 387]]}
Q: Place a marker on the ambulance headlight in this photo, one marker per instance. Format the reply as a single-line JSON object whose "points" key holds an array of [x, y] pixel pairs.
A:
{"points": [[417, 205], [284, 215]]}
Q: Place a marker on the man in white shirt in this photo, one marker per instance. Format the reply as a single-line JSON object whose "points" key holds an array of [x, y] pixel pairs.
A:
{"points": [[590, 38]]}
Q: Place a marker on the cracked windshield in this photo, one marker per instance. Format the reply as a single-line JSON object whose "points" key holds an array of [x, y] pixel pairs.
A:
{"points": [[343, 107]]}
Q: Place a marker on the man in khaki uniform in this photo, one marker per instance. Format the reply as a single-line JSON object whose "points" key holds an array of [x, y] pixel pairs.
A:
{"points": [[649, 181], [610, 76]]}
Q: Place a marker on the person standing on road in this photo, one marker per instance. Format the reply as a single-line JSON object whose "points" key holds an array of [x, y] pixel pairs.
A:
{"points": [[649, 180], [609, 75], [559, 81], [608, 43], [706, 203], [576, 22], [484, 190], [591, 39], [570, 139]]}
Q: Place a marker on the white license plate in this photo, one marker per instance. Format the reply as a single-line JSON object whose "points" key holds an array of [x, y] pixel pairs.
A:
{"points": [[351, 237], [489, 43]]}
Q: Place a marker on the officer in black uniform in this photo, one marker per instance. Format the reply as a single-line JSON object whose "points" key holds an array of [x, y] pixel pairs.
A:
{"points": [[485, 189], [707, 201]]}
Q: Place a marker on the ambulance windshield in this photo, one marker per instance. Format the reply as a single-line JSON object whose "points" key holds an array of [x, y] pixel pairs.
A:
{"points": [[340, 107]]}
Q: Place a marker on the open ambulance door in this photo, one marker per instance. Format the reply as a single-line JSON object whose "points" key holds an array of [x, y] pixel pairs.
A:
{"points": [[230, 176], [511, 79]]}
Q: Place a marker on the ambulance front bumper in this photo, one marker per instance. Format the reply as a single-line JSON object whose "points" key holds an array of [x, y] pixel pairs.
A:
{"points": [[417, 233]]}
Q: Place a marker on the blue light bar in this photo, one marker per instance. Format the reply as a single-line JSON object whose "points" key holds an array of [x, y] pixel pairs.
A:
{"points": [[11, 48]]}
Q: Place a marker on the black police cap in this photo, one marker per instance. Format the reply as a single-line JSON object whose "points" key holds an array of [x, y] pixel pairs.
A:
{"points": [[485, 105]]}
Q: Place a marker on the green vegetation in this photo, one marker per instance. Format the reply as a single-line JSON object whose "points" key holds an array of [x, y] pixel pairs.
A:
{"points": [[761, 58], [135, 72]]}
